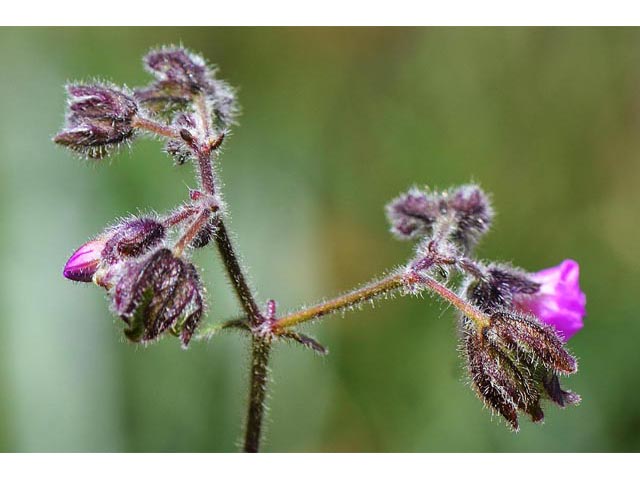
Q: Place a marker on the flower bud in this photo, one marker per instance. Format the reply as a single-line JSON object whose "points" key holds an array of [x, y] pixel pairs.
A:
{"points": [[412, 215], [526, 335], [133, 238], [473, 214], [559, 301], [84, 262], [99, 117], [462, 215], [514, 363], [180, 75], [158, 293]]}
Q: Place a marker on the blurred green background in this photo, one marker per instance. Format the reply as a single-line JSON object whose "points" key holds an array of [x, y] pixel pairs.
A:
{"points": [[335, 123]]}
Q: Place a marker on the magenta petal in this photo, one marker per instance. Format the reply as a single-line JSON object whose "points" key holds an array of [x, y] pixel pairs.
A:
{"points": [[84, 262], [559, 302]]}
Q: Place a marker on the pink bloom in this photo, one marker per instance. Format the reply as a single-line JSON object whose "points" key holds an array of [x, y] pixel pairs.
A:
{"points": [[559, 302], [84, 262]]}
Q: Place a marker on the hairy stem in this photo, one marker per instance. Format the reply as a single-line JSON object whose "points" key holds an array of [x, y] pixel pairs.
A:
{"points": [[260, 348], [236, 275], [481, 319], [180, 215], [193, 230], [375, 289], [206, 172], [152, 126]]}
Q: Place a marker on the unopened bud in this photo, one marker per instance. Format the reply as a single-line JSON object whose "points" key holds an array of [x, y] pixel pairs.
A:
{"points": [[132, 238], [473, 214], [180, 75], [159, 293], [514, 362], [98, 118], [84, 262], [412, 215]]}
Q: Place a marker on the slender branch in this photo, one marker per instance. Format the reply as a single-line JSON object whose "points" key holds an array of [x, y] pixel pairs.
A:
{"points": [[204, 113], [206, 172], [236, 275], [207, 332], [260, 346], [180, 215], [157, 128], [260, 349], [375, 289], [465, 307], [193, 230]]}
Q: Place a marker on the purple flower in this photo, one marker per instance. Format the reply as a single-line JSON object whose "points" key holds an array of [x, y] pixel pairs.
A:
{"points": [[559, 301], [84, 262]]}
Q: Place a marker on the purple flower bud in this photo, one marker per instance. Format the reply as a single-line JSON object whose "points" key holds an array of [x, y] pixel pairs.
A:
{"points": [[559, 301], [463, 215], [178, 66], [98, 118], [500, 384], [473, 214], [84, 262], [133, 238], [525, 334], [514, 363], [158, 293], [412, 215], [180, 75]]}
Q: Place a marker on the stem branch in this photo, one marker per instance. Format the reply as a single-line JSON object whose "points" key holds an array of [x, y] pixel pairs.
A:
{"points": [[236, 275], [375, 289], [152, 126], [260, 349]]}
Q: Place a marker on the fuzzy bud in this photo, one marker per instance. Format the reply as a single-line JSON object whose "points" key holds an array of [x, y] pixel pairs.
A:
{"points": [[412, 215], [473, 214], [99, 117], [462, 215], [133, 238], [84, 262], [158, 293], [180, 75], [514, 363]]}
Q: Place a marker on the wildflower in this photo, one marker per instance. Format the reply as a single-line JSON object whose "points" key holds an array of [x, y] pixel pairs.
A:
{"points": [[559, 301]]}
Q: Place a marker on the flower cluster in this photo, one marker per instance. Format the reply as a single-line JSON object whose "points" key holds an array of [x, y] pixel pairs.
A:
{"points": [[514, 344], [151, 288], [151, 283]]}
